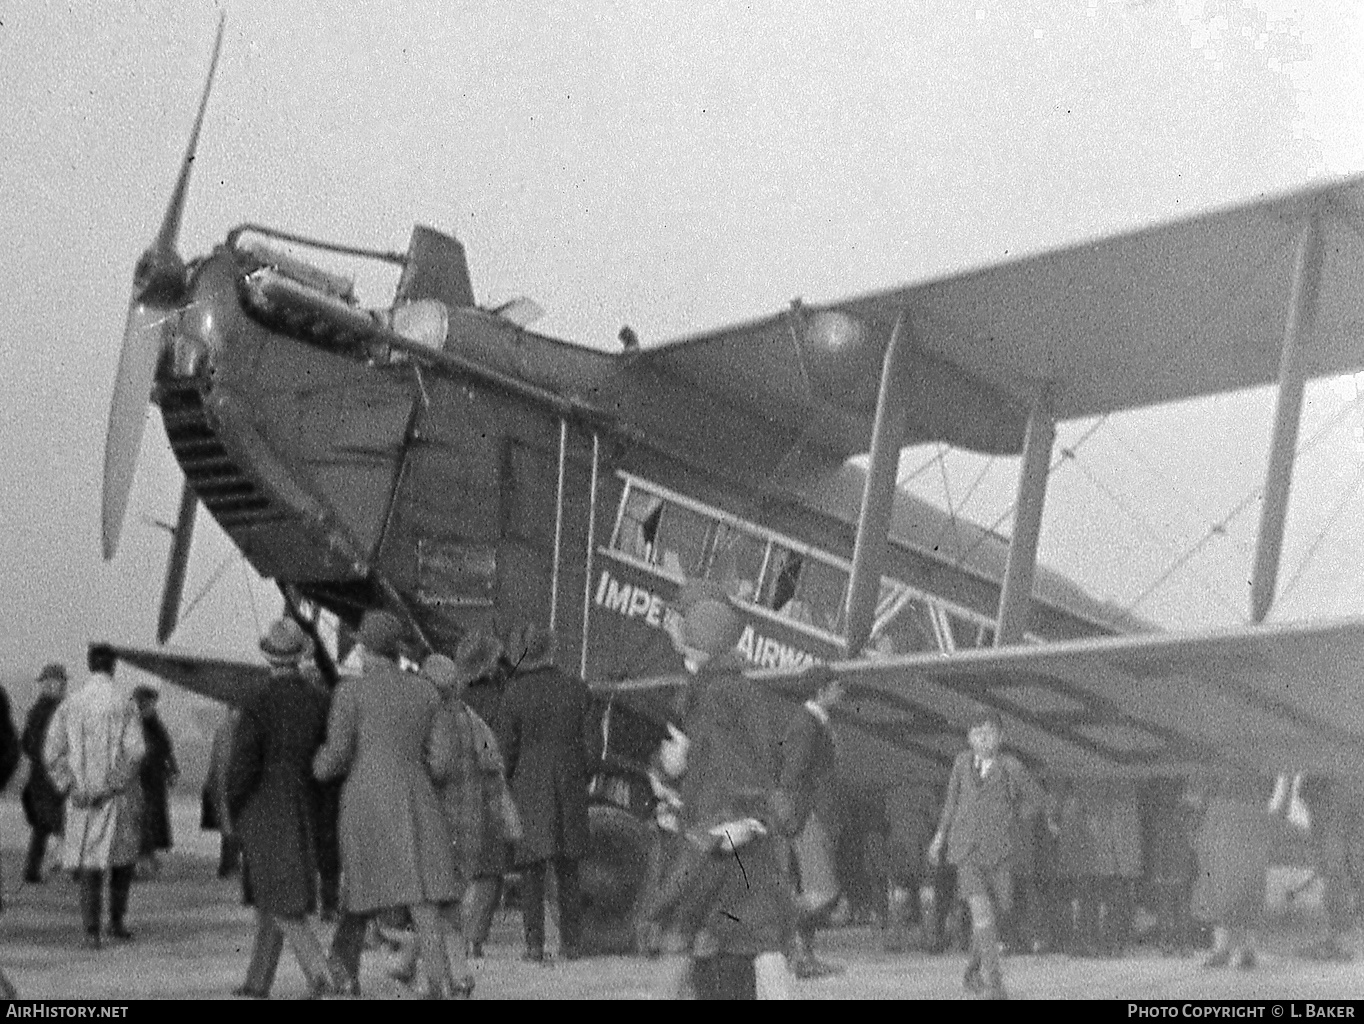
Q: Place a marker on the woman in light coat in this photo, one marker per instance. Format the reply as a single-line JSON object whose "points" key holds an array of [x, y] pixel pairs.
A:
{"points": [[395, 842]]}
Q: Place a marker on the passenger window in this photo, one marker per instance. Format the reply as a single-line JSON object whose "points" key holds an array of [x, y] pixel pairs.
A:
{"points": [[783, 574], [680, 546], [639, 525], [736, 562], [805, 590]]}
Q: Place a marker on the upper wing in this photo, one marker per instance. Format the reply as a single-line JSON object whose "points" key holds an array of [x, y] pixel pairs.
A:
{"points": [[232, 682], [1275, 698], [1182, 309]]}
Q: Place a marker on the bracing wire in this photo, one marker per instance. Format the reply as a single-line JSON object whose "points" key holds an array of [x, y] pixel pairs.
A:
{"points": [[212, 579], [1066, 454], [251, 599], [1336, 513], [1219, 528]]}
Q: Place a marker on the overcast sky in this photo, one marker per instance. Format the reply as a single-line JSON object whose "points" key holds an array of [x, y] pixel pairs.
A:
{"points": [[674, 167]]}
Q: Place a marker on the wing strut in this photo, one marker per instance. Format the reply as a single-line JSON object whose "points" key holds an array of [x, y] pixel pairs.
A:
{"points": [[1302, 314], [878, 494], [1015, 596]]}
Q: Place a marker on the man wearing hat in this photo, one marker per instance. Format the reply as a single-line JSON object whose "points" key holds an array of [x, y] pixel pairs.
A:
{"points": [[273, 804], [92, 751], [42, 802], [551, 743], [157, 775], [726, 895], [988, 793]]}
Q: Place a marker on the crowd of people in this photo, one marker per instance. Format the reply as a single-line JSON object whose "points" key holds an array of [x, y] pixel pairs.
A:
{"points": [[1091, 867], [401, 799]]}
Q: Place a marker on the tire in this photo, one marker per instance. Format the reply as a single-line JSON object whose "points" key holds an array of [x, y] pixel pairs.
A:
{"points": [[621, 861]]}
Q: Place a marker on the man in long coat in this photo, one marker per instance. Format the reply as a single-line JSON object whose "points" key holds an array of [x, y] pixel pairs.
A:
{"points": [[42, 802], [395, 842], [92, 751], [809, 776], [157, 773], [550, 743], [272, 802]]}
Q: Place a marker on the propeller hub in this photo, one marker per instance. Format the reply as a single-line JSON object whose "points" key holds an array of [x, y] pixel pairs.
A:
{"points": [[159, 278]]}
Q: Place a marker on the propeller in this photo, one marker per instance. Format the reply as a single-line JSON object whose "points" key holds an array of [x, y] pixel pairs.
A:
{"points": [[159, 289], [182, 535]]}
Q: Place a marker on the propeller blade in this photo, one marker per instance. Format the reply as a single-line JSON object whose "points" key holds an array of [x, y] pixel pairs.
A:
{"points": [[159, 291], [143, 339], [176, 564], [170, 224]]}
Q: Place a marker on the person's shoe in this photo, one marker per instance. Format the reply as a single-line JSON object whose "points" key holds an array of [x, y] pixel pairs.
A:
{"points": [[808, 968], [1247, 960], [247, 992], [648, 939], [33, 878], [973, 981], [323, 988], [404, 971], [534, 956], [995, 989], [91, 940], [118, 931], [463, 987], [475, 951], [346, 983], [1220, 958], [894, 940]]}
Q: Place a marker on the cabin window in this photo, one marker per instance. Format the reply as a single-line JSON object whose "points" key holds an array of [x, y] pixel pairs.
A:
{"points": [[680, 548], [639, 525], [663, 533], [736, 561], [804, 589]]}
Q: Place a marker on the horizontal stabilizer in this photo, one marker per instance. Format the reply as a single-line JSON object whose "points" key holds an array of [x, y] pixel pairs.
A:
{"points": [[232, 682]]}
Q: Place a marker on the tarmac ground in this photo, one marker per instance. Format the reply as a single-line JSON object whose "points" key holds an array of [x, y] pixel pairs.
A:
{"points": [[192, 938]]}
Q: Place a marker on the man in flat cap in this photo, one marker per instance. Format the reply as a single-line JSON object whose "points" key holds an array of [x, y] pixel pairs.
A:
{"points": [[725, 898], [551, 743], [43, 804], [92, 751]]}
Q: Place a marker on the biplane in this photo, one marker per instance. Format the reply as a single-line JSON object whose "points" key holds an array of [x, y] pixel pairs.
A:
{"points": [[442, 460]]}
